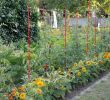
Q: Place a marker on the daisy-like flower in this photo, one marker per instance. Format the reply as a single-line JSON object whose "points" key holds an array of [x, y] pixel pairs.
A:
{"points": [[38, 91], [84, 70], [39, 83], [22, 96], [21, 88], [78, 74], [75, 65], [88, 63]]}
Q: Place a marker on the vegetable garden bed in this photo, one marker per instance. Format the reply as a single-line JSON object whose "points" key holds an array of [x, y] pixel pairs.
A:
{"points": [[55, 84]]}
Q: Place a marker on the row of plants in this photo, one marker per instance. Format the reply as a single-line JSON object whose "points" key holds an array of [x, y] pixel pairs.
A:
{"points": [[54, 84], [49, 50], [47, 61]]}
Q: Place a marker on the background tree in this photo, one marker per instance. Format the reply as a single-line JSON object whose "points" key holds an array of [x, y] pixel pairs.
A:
{"points": [[73, 5]]}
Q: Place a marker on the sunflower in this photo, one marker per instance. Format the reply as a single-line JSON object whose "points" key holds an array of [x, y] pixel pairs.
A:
{"points": [[75, 65], [78, 74], [88, 63], [39, 83], [38, 91], [83, 70], [22, 96], [21, 88]]}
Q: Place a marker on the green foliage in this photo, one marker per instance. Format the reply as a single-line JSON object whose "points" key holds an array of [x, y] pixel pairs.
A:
{"points": [[13, 20]]}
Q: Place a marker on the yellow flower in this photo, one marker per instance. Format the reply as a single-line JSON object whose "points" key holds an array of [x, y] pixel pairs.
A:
{"points": [[39, 83], [75, 65], [22, 96], [78, 73], [38, 91], [21, 88], [88, 63], [83, 69]]}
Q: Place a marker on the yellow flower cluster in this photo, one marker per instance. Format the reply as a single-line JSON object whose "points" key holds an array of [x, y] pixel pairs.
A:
{"points": [[14, 92], [22, 94], [39, 84]]}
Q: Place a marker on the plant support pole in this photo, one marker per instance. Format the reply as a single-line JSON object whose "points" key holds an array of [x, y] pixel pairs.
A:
{"points": [[28, 7], [88, 15], [65, 36], [95, 34], [77, 28]]}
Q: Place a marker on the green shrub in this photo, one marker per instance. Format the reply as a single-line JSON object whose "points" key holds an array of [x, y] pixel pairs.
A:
{"points": [[14, 22]]}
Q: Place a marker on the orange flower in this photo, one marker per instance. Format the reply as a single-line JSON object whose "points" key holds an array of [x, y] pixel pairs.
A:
{"points": [[21, 88], [22, 96], [38, 91], [106, 55], [10, 97], [14, 92]]}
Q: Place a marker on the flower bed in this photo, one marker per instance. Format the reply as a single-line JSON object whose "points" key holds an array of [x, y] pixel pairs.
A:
{"points": [[57, 83]]}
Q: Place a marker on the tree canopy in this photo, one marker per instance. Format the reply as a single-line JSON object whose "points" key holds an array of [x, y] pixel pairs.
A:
{"points": [[13, 20]]}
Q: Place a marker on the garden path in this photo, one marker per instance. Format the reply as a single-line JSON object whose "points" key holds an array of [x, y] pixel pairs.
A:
{"points": [[100, 90]]}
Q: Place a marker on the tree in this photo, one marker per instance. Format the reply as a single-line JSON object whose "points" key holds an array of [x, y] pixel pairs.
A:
{"points": [[73, 5], [70, 5], [13, 20]]}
